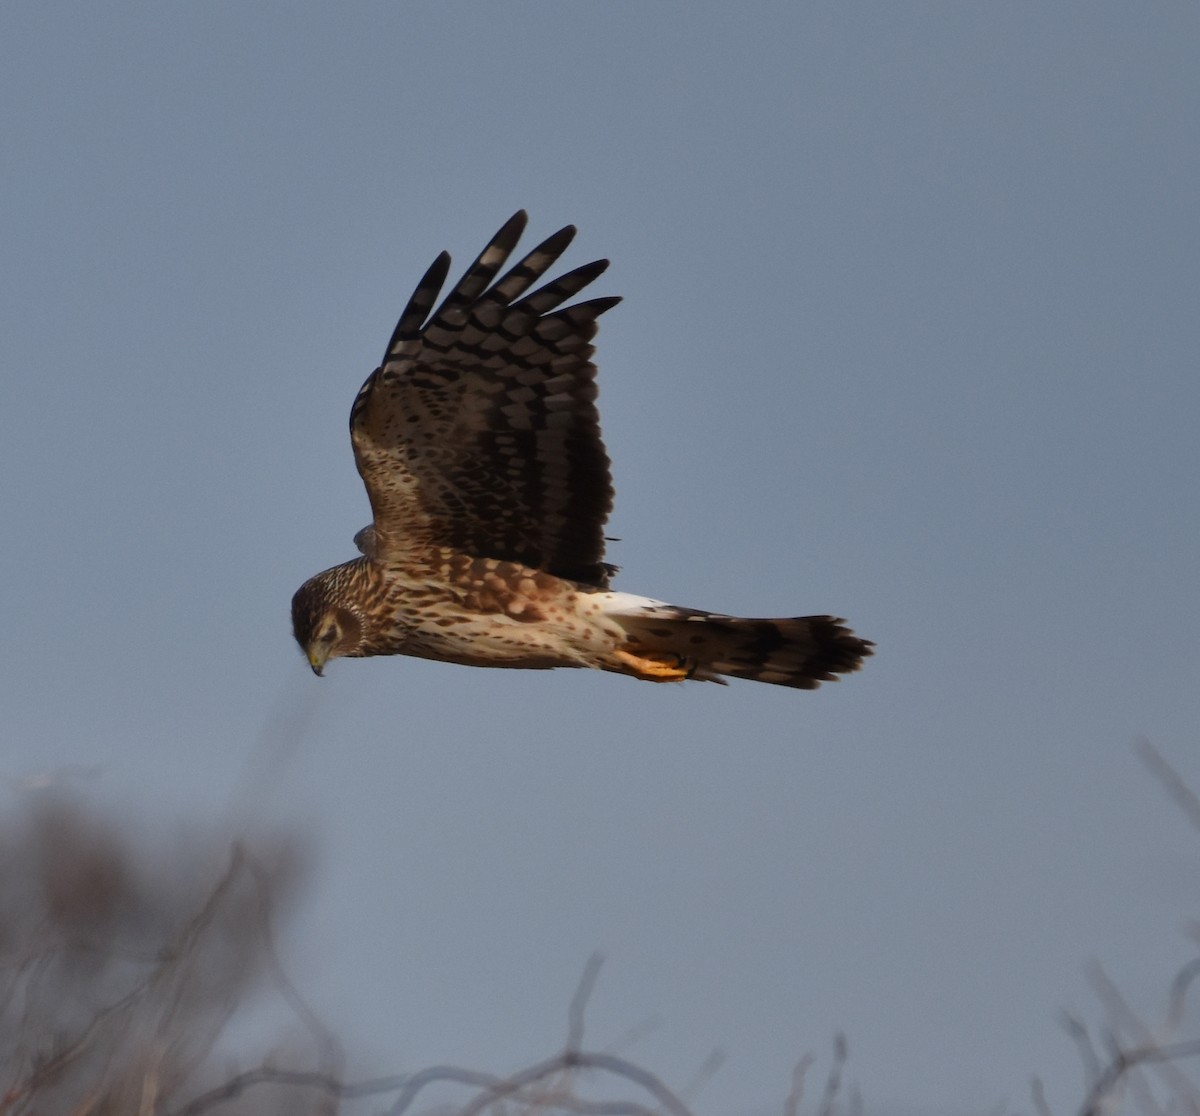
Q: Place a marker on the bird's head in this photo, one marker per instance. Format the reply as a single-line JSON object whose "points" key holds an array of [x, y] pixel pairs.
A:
{"points": [[324, 625]]}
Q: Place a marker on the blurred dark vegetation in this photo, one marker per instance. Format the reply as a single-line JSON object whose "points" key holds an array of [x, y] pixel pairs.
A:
{"points": [[121, 970], [134, 972]]}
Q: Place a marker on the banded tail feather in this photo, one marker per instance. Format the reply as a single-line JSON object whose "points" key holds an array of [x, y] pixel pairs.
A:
{"points": [[797, 651]]}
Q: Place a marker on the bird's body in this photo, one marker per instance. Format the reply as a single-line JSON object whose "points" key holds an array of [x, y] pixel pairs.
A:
{"points": [[474, 611], [479, 444]]}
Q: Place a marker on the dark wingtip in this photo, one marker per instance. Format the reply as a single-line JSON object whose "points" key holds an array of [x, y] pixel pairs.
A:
{"points": [[556, 243], [590, 271], [604, 305], [510, 232]]}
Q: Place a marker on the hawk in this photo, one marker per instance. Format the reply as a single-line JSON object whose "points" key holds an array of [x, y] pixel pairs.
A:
{"points": [[479, 444]]}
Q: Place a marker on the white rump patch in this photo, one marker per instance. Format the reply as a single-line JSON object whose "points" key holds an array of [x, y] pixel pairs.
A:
{"points": [[630, 604]]}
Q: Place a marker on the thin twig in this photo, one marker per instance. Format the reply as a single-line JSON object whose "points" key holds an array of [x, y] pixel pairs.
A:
{"points": [[1083, 1043], [579, 1002], [1126, 1060], [610, 1062], [833, 1082], [1126, 1018], [1177, 790], [492, 1088], [634, 1035], [1180, 987], [791, 1105], [707, 1071], [1037, 1092]]}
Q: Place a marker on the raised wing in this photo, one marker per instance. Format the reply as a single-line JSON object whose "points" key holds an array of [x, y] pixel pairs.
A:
{"points": [[479, 431]]}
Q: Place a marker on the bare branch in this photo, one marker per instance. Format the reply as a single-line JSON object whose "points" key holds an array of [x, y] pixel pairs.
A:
{"points": [[1144, 1037], [634, 1034], [1037, 1092], [833, 1082], [1180, 987], [492, 1088], [708, 1069], [583, 993], [1126, 1060], [610, 1062], [1177, 790], [1083, 1043], [791, 1106]]}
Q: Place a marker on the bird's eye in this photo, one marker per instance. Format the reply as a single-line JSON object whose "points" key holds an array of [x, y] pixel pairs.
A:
{"points": [[329, 635]]}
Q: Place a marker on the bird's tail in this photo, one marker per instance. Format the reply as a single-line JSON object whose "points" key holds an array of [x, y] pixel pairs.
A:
{"points": [[667, 643]]}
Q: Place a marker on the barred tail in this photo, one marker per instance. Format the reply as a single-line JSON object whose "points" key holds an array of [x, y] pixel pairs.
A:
{"points": [[801, 652]]}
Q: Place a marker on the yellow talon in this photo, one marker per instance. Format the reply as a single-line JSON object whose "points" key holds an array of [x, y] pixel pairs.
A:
{"points": [[655, 666]]}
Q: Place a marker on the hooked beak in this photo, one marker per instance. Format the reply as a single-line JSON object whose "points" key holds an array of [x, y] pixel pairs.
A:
{"points": [[316, 659]]}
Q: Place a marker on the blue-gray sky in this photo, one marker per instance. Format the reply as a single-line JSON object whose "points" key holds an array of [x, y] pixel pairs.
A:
{"points": [[910, 335]]}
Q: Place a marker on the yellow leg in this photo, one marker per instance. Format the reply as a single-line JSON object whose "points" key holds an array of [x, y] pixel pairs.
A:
{"points": [[654, 666]]}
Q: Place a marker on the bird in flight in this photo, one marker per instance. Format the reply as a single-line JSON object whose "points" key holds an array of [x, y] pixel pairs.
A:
{"points": [[479, 444]]}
